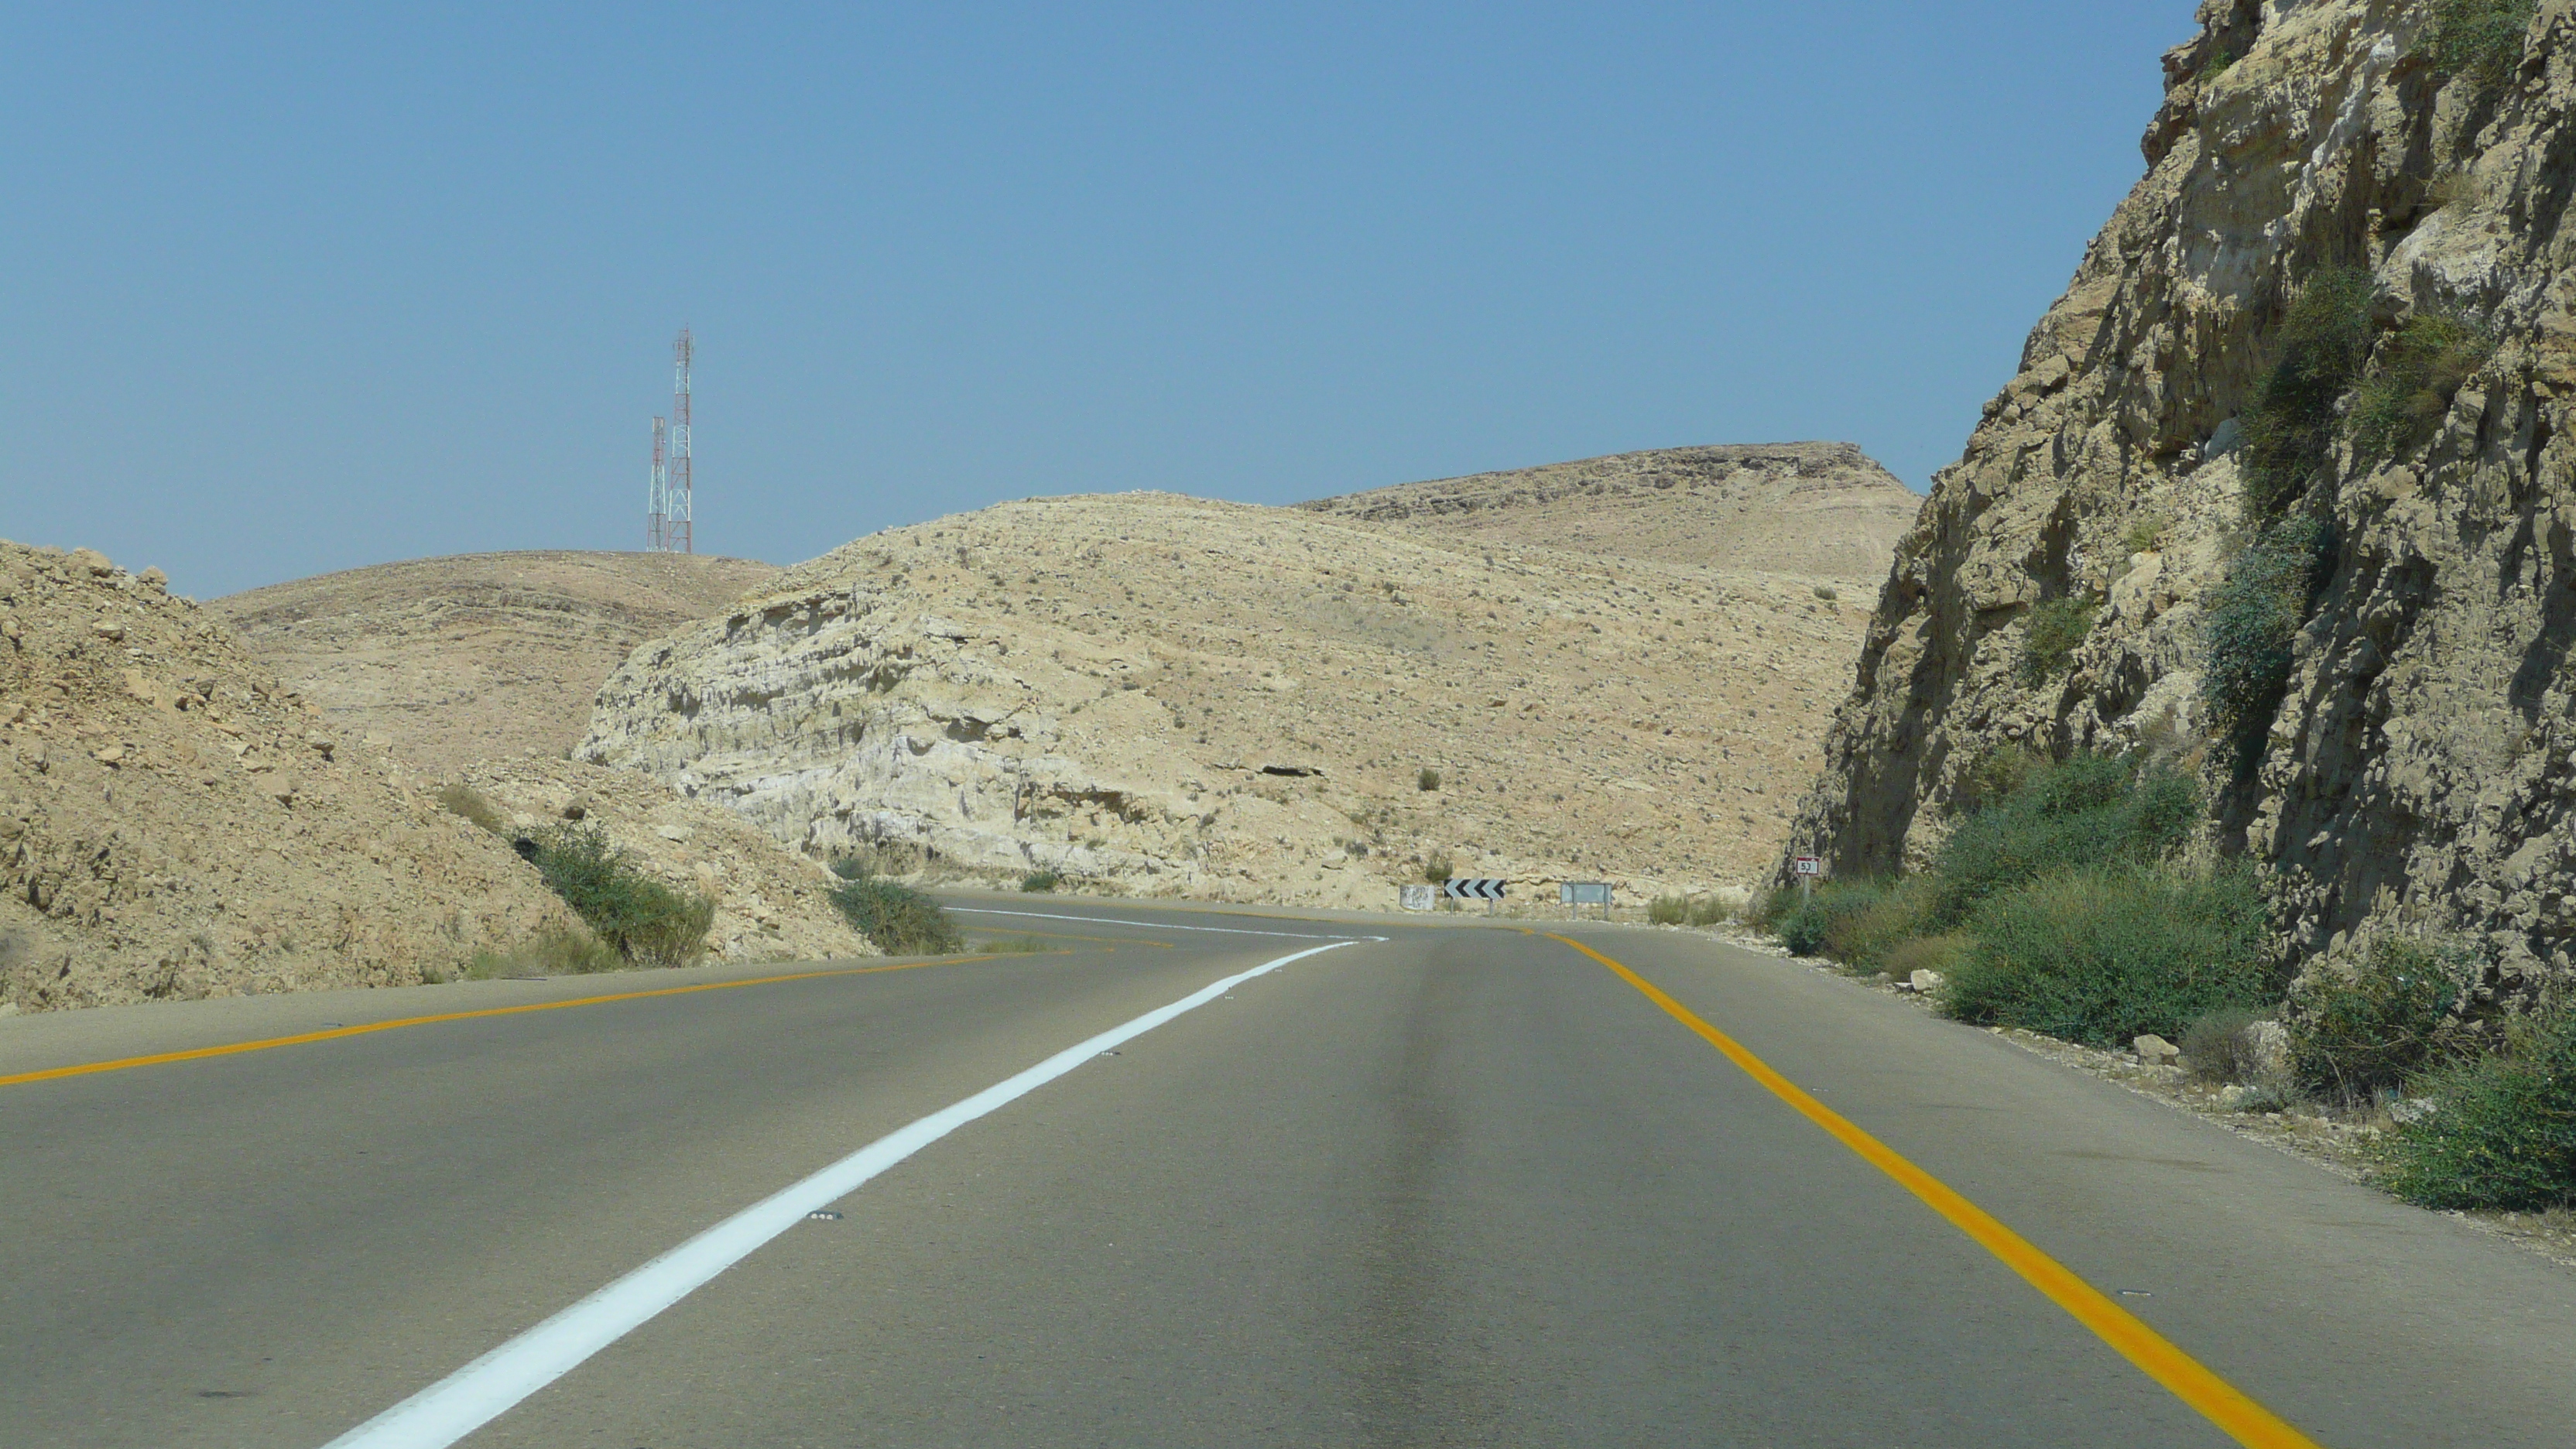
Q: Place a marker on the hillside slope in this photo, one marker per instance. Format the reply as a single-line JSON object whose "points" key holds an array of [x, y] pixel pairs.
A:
{"points": [[1821, 510], [1169, 695], [476, 656], [2419, 766], [174, 822]]}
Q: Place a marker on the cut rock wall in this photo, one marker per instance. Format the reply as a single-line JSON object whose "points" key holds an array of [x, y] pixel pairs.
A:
{"points": [[176, 823], [2423, 766]]}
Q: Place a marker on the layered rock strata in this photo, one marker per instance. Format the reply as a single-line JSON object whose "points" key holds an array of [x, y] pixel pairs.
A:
{"points": [[1160, 694], [2421, 768], [476, 656], [1825, 510]]}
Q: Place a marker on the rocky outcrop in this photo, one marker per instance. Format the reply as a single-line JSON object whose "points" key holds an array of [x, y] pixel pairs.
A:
{"points": [[174, 822], [476, 656], [770, 902], [1165, 695], [1823, 510], [2422, 762]]}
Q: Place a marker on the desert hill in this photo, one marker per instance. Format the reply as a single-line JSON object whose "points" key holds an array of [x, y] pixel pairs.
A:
{"points": [[1822, 510], [476, 656], [175, 822], [1162, 694]]}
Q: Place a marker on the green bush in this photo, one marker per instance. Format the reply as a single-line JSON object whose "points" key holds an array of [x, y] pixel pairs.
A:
{"points": [[642, 919], [1428, 780], [2420, 368], [2289, 424], [1038, 882], [1856, 921], [901, 921], [2102, 954], [1707, 911], [2481, 39], [1436, 870], [2049, 638], [1668, 910], [2249, 631], [2502, 1132], [2089, 810], [2387, 1017]]}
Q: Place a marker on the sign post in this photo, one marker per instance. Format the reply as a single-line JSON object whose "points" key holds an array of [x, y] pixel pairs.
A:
{"points": [[1574, 895], [1809, 867]]}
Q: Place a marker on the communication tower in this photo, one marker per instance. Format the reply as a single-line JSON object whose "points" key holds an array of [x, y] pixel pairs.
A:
{"points": [[657, 502], [669, 521]]}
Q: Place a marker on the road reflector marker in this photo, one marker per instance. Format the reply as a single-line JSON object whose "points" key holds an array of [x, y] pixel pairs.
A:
{"points": [[2223, 1404], [490, 1386]]}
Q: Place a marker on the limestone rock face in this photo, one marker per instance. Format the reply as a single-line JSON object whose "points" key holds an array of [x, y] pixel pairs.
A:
{"points": [[1825, 510], [2423, 764], [476, 656], [770, 902], [174, 822], [1160, 694]]}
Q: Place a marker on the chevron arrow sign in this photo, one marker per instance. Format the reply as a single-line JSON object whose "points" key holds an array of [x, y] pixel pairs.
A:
{"points": [[1473, 890]]}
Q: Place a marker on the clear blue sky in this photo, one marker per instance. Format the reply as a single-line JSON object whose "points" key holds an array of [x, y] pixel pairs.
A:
{"points": [[284, 291]]}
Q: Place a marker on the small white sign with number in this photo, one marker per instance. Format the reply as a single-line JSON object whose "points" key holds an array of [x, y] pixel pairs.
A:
{"points": [[1810, 865]]}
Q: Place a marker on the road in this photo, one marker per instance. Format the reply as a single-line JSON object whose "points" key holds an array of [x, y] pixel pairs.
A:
{"points": [[1462, 1185]]}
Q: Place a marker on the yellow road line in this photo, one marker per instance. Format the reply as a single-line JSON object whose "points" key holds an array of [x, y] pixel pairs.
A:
{"points": [[195, 1054], [1112, 941], [2217, 1400]]}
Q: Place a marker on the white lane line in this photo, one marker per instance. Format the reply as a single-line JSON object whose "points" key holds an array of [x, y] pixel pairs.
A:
{"points": [[483, 1390], [1158, 925]]}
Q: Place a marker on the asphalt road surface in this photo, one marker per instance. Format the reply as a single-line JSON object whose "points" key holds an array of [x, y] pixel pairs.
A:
{"points": [[1461, 1185]]}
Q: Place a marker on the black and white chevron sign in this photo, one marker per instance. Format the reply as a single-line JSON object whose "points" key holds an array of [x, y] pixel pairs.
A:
{"points": [[1473, 890]]}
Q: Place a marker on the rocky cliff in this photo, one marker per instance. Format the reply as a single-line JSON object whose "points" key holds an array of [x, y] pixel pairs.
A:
{"points": [[1825, 510], [2284, 486], [1166, 695], [175, 822], [475, 656]]}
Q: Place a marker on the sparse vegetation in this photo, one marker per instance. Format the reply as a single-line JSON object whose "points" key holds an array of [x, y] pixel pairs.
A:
{"points": [[560, 952], [2250, 629], [2049, 637], [2047, 817], [1040, 881], [2419, 369], [2059, 903], [643, 920], [2219, 1047], [1827, 593], [900, 921], [2101, 954], [2289, 425], [2501, 1128], [2481, 39], [1668, 910], [1436, 869], [466, 802], [1428, 780], [2363, 1025]]}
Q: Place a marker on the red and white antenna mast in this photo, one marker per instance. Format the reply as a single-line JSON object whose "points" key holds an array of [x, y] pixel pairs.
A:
{"points": [[677, 530]]}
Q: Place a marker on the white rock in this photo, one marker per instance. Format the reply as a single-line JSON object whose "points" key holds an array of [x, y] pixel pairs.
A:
{"points": [[1925, 980], [2155, 1051]]}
